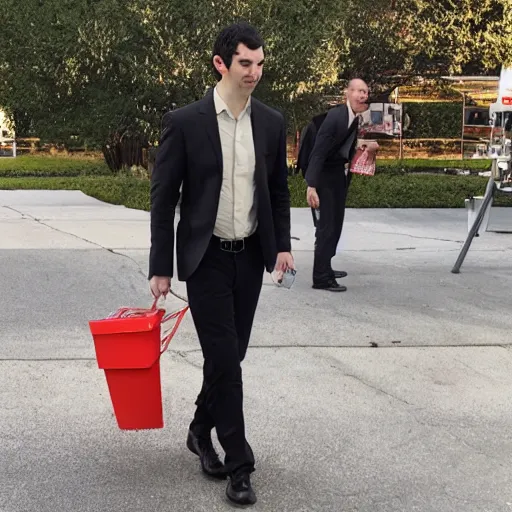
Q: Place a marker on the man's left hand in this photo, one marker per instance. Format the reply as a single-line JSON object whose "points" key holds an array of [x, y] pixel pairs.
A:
{"points": [[283, 263]]}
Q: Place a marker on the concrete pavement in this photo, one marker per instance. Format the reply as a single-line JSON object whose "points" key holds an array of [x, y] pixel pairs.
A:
{"points": [[393, 396]]}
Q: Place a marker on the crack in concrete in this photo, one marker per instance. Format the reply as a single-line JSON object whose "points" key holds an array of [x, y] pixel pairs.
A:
{"points": [[393, 346], [376, 388], [419, 237], [335, 363], [508, 349], [469, 367], [474, 448], [14, 210], [139, 268], [467, 500], [35, 219], [184, 353], [27, 216]]}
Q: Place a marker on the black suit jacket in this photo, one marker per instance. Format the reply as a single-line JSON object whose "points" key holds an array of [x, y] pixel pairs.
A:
{"points": [[190, 156], [335, 145]]}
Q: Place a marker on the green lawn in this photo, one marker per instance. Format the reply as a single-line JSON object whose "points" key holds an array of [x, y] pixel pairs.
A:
{"points": [[29, 165]]}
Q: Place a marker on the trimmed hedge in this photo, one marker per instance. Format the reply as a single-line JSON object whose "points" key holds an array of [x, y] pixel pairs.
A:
{"points": [[380, 191], [415, 164], [392, 166], [406, 191], [48, 166], [434, 120]]}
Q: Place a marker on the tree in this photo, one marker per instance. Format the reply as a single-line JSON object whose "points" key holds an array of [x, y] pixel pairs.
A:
{"points": [[103, 72], [394, 43], [95, 69], [462, 36]]}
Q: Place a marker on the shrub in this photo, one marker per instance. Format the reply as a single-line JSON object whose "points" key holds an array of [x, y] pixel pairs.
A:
{"points": [[406, 191], [47, 166], [434, 120]]}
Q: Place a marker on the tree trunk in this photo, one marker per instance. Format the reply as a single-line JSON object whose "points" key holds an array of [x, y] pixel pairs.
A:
{"points": [[124, 150]]}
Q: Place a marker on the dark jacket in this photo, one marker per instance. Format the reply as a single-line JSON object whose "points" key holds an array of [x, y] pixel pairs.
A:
{"points": [[190, 156], [335, 145]]}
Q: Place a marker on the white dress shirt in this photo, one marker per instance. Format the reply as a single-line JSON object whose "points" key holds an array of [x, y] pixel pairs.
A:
{"points": [[236, 215], [351, 115]]}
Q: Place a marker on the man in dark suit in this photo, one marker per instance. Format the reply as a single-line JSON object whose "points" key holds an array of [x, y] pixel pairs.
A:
{"points": [[228, 151], [328, 180]]}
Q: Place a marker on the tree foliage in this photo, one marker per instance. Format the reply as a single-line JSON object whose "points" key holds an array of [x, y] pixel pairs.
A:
{"points": [[391, 43], [96, 72], [461, 36]]}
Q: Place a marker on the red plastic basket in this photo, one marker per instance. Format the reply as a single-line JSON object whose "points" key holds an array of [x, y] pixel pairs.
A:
{"points": [[128, 347]]}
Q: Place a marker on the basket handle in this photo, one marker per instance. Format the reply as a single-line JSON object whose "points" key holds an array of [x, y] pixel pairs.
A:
{"points": [[172, 292], [167, 339], [179, 315]]}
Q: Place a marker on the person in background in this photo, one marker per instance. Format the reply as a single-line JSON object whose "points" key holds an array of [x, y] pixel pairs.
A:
{"points": [[328, 180]]}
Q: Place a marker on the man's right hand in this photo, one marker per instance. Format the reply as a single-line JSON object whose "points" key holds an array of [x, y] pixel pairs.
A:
{"points": [[160, 286], [312, 197]]}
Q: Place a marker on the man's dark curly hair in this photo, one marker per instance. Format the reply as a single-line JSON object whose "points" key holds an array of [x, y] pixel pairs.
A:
{"points": [[228, 40]]}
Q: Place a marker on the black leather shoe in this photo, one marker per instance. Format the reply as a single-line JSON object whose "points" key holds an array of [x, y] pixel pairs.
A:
{"points": [[239, 489], [210, 462], [331, 286], [338, 274]]}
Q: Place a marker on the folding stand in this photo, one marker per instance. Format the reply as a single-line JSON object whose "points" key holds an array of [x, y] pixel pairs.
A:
{"points": [[490, 192]]}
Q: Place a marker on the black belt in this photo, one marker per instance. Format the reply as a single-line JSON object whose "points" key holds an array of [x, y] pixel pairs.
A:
{"points": [[227, 245]]}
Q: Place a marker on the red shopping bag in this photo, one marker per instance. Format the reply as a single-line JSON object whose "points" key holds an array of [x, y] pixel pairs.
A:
{"points": [[128, 345], [363, 162]]}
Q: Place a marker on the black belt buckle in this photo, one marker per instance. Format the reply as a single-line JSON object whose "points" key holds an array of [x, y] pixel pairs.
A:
{"points": [[232, 245]]}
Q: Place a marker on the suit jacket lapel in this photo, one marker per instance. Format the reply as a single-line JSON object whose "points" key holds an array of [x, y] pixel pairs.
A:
{"points": [[207, 110], [259, 137]]}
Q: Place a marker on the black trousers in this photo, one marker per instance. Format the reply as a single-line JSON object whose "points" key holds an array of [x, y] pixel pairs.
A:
{"points": [[332, 192], [223, 294]]}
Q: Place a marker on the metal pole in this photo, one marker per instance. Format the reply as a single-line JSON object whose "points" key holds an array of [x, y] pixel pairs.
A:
{"points": [[401, 150], [489, 193], [401, 142], [463, 122]]}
